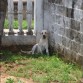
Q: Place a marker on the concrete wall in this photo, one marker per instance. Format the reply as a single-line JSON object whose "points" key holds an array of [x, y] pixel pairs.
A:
{"points": [[64, 21], [65, 26], [12, 40]]}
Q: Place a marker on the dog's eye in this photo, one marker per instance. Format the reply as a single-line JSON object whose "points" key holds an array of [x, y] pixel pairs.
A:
{"points": [[42, 33], [45, 33]]}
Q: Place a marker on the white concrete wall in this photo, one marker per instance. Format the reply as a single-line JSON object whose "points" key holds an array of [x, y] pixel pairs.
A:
{"points": [[18, 40]]}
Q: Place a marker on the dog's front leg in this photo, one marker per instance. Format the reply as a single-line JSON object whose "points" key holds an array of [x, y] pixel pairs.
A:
{"points": [[47, 51]]}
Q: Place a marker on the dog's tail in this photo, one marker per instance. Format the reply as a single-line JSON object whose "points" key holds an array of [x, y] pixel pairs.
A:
{"points": [[26, 52]]}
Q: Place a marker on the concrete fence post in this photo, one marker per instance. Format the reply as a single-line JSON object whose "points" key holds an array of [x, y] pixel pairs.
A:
{"points": [[3, 6], [29, 17], [38, 18], [20, 17]]}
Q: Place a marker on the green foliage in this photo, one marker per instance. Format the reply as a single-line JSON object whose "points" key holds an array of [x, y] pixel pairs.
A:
{"points": [[10, 80], [15, 24]]}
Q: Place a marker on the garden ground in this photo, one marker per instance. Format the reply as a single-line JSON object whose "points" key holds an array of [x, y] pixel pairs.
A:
{"points": [[22, 68]]}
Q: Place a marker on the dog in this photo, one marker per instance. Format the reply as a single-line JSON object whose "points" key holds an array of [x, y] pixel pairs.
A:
{"points": [[42, 46]]}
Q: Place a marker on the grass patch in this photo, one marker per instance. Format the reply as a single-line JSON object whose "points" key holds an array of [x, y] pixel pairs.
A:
{"points": [[15, 24], [41, 68], [10, 80]]}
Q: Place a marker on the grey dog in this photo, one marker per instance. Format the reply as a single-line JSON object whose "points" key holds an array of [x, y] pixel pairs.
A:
{"points": [[42, 46]]}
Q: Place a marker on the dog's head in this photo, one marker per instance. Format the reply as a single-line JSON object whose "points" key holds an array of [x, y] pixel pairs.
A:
{"points": [[44, 34]]}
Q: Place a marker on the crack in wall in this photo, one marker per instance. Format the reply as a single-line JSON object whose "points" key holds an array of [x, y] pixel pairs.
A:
{"points": [[72, 11]]}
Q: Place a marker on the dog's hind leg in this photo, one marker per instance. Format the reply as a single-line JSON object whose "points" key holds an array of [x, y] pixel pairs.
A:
{"points": [[39, 49], [34, 49]]}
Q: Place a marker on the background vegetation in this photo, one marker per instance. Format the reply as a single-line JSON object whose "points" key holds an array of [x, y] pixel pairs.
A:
{"points": [[15, 24]]}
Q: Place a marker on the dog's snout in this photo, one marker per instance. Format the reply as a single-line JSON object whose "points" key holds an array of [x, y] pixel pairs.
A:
{"points": [[44, 36]]}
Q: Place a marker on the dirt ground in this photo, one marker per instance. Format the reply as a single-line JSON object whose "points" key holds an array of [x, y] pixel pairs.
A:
{"points": [[4, 78]]}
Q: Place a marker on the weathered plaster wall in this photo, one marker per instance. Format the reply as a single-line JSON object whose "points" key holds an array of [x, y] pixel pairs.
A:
{"points": [[64, 20]]}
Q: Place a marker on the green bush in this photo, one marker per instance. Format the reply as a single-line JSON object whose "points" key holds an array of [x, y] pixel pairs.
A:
{"points": [[15, 24]]}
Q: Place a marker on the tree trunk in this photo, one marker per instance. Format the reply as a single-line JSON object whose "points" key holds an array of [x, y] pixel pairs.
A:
{"points": [[3, 7]]}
